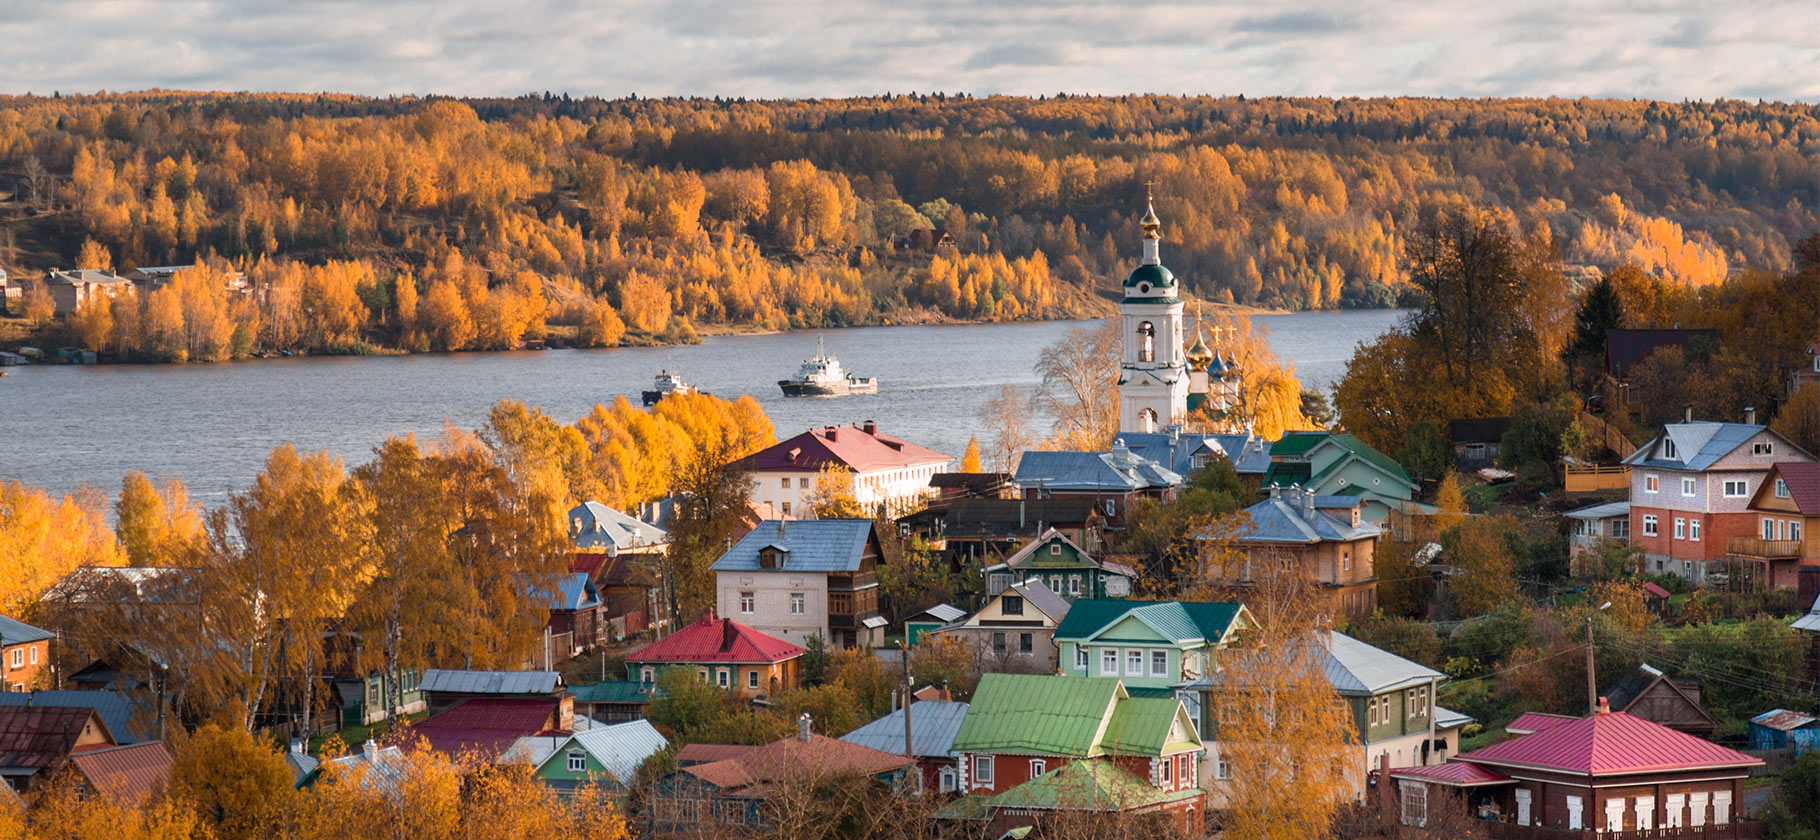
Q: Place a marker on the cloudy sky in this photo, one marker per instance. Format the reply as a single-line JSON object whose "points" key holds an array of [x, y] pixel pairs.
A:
{"points": [[763, 48]]}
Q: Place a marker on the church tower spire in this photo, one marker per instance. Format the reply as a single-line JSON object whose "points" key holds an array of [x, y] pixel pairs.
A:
{"points": [[1153, 376]]}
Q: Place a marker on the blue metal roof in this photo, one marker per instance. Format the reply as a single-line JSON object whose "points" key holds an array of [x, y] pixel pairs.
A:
{"points": [[620, 748], [933, 725], [1283, 519], [595, 525], [577, 592], [813, 545], [131, 720], [16, 632], [1249, 454], [490, 682], [1698, 445], [1119, 470]]}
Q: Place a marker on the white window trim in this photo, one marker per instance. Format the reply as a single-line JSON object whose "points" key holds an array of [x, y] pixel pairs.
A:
{"points": [[752, 679], [1650, 524], [982, 769], [1038, 767], [1687, 487], [1652, 483], [1082, 661], [1742, 485], [18, 657], [1693, 530], [1680, 528], [1109, 662], [1159, 663], [1137, 669]]}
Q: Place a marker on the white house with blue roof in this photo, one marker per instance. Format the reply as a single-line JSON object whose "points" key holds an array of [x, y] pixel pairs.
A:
{"points": [[1328, 536], [1184, 452], [794, 579], [1690, 493]]}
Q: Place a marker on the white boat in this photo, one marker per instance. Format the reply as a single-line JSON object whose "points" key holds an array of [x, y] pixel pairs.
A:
{"points": [[667, 383], [823, 376]]}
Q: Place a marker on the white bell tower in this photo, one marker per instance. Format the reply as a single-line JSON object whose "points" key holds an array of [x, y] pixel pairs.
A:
{"points": [[1153, 378]]}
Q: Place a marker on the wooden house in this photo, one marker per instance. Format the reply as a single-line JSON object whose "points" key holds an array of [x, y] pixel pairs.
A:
{"points": [[724, 652], [1067, 569], [1016, 628], [1674, 702], [796, 579], [1786, 539]]}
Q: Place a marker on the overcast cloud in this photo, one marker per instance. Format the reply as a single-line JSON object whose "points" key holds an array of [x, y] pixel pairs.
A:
{"points": [[759, 48]]}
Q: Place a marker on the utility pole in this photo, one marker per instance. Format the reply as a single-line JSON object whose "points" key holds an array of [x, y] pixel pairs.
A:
{"points": [[904, 655], [1592, 691]]}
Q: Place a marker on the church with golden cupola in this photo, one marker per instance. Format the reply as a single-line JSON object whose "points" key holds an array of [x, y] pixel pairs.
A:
{"points": [[1160, 382]]}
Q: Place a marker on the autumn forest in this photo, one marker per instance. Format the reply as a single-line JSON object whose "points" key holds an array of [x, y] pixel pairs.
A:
{"points": [[370, 225]]}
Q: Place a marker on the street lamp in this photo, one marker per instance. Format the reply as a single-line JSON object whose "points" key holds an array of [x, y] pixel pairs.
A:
{"points": [[1592, 690]]}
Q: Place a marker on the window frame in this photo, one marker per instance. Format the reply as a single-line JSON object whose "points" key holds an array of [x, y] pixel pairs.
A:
{"points": [[1781, 489], [1026, 644], [1159, 663], [1742, 485], [1134, 655], [1038, 767], [982, 770], [1652, 483], [1011, 605], [18, 657], [1680, 528], [1693, 530], [1651, 525], [799, 603], [1083, 660], [1109, 657], [748, 601], [572, 756], [752, 679], [1687, 487]]}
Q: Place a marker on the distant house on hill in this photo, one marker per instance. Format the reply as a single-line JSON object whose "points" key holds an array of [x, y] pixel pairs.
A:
{"points": [[1625, 348], [1476, 441], [1339, 464], [1673, 702]]}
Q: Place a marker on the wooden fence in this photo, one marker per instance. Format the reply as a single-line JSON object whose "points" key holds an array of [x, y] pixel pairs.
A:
{"points": [[1595, 478], [1734, 830]]}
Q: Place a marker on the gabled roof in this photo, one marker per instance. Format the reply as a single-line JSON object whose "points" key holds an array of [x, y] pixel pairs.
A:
{"points": [[1601, 511], [714, 639], [1030, 548], [16, 632], [573, 592], [1148, 726], [619, 749], [1038, 714], [1289, 465], [130, 718], [1282, 518], [1446, 718], [814, 545], [1637, 680], [754, 770], [1118, 471], [1624, 348], [933, 725], [853, 447], [126, 773], [1609, 744], [1803, 481], [490, 682], [1529, 723], [1453, 774], [1036, 594], [1811, 621], [488, 725], [1249, 454], [594, 525], [1354, 667], [303, 767], [1015, 518], [1189, 622], [944, 613], [614, 570], [36, 737], [382, 769], [1700, 445]]}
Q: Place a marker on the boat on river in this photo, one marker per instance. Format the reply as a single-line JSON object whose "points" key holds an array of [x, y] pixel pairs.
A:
{"points": [[667, 383], [823, 376]]}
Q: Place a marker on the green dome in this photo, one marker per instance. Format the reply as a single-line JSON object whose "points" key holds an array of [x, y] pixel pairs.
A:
{"points": [[1155, 276]]}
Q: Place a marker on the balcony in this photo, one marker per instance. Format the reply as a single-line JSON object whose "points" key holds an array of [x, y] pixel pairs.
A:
{"points": [[1763, 549], [850, 582], [1734, 830]]}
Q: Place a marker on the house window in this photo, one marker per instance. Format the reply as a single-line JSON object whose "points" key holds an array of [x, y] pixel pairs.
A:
{"points": [[752, 679], [1762, 449], [578, 761], [808, 483], [1737, 489], [1680, 528], [1168, 767], [796, 603], [1080, 659], [1055, 548], [1668, 449], [786, 508], [1415, 803], [1646, 813], [724, 678], [1620, 528], [1074, 584], [786, 484], [1159, 663], [1371, 712], [948, 781], [1651, 484], [1614, 814], [1687, 487], [1693, 530], [1223, 769], [1674, 814], [1026, 643], [18, 657], [1109, 662], [745, 602], [1012, 605], [1649, 524], [1696, 808], [1345, 561], [1781, 489], [647, 674], [982, 770], [1576, 813], [1769, 528], [998, 643], [997, 582], [1112, 507], [703, 673], [1134, 663], [1794, 533], [34, 648], [1722, 807], [1038, 767], [1475, 451]]}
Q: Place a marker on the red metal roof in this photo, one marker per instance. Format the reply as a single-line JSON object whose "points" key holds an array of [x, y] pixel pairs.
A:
{"points": [[36, 737], [1454, 773], [1803, 479], [716, 640], [126, 773], [853, 447], [1530, 723], [762, 765], [1605, 744], [1655, 590], [487, 724]]}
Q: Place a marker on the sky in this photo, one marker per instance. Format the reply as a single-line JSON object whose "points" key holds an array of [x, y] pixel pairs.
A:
{"points": [[831, 48]]}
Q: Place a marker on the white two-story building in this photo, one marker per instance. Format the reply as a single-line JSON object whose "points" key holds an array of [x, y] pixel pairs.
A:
{"points": [[886, 471]]}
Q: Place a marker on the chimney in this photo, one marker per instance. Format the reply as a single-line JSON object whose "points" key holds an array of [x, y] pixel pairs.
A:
{"points": [[802, 728], [370, 749], [1308, 502], [1020, 514], [780, 530], [1604, 706], [1687, 414], [707, 614], [869, 427], [1750, 415], [1275, 490], [297, 746]]}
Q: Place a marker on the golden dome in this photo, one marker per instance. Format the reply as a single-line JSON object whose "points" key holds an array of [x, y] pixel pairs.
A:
{"points": [[1198, 354]]}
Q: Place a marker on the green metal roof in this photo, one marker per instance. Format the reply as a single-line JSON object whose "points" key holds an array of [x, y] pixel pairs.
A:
{"points": [[1140, 726], [1183, 621], [1157, 276], [1296, 443], [613, 691], [1036, 714], [1096, 785]]}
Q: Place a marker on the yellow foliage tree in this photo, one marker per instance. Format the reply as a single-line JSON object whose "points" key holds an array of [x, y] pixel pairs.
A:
{"points": [[234, 784], [94, 255], [159, 525], [970, 459], [43, 538], [833, 497]]}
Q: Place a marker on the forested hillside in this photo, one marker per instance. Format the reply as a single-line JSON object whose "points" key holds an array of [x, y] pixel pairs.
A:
{"points": [[651, 218]]}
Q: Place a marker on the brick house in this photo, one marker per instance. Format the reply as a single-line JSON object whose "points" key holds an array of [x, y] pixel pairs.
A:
{"points": [[1691, 489], [1607, 772], [25, 655], [724, 652], [1786, 506]]}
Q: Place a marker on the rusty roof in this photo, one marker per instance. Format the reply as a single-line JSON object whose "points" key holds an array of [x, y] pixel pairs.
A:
{"points": [[709, 753], [763, 765], [126, 773], [1452, 774], [36, 737]]}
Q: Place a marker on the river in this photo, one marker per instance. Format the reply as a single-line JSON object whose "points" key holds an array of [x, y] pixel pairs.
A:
{"points": [[212, 425]]}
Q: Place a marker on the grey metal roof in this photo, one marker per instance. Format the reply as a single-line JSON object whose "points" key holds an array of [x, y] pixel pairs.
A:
{"points": [[490, 682], [944, 613], [1698, 445], [1354, 667], [1446, 718], [1249, 454], [933, 725], [814, 545], [302, 765], [1118, 470], [595, 525], [1038, 594], [16, 632], [1282, 518], [130, 719], [1604, 511], [1811, 621], [383, 773], [620, 748]]}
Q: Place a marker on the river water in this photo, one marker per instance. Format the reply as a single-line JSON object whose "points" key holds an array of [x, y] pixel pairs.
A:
{"points": [[212, 425]]}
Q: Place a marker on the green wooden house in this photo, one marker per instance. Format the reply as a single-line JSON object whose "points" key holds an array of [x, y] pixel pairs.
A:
{"points": [[1338, 464], [1063, 566], [1156, 647], [607, 757]]}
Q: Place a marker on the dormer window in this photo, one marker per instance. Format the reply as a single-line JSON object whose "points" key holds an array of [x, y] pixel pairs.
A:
{"points": [[772, 557], [1668, 449], [1055, 548]]}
